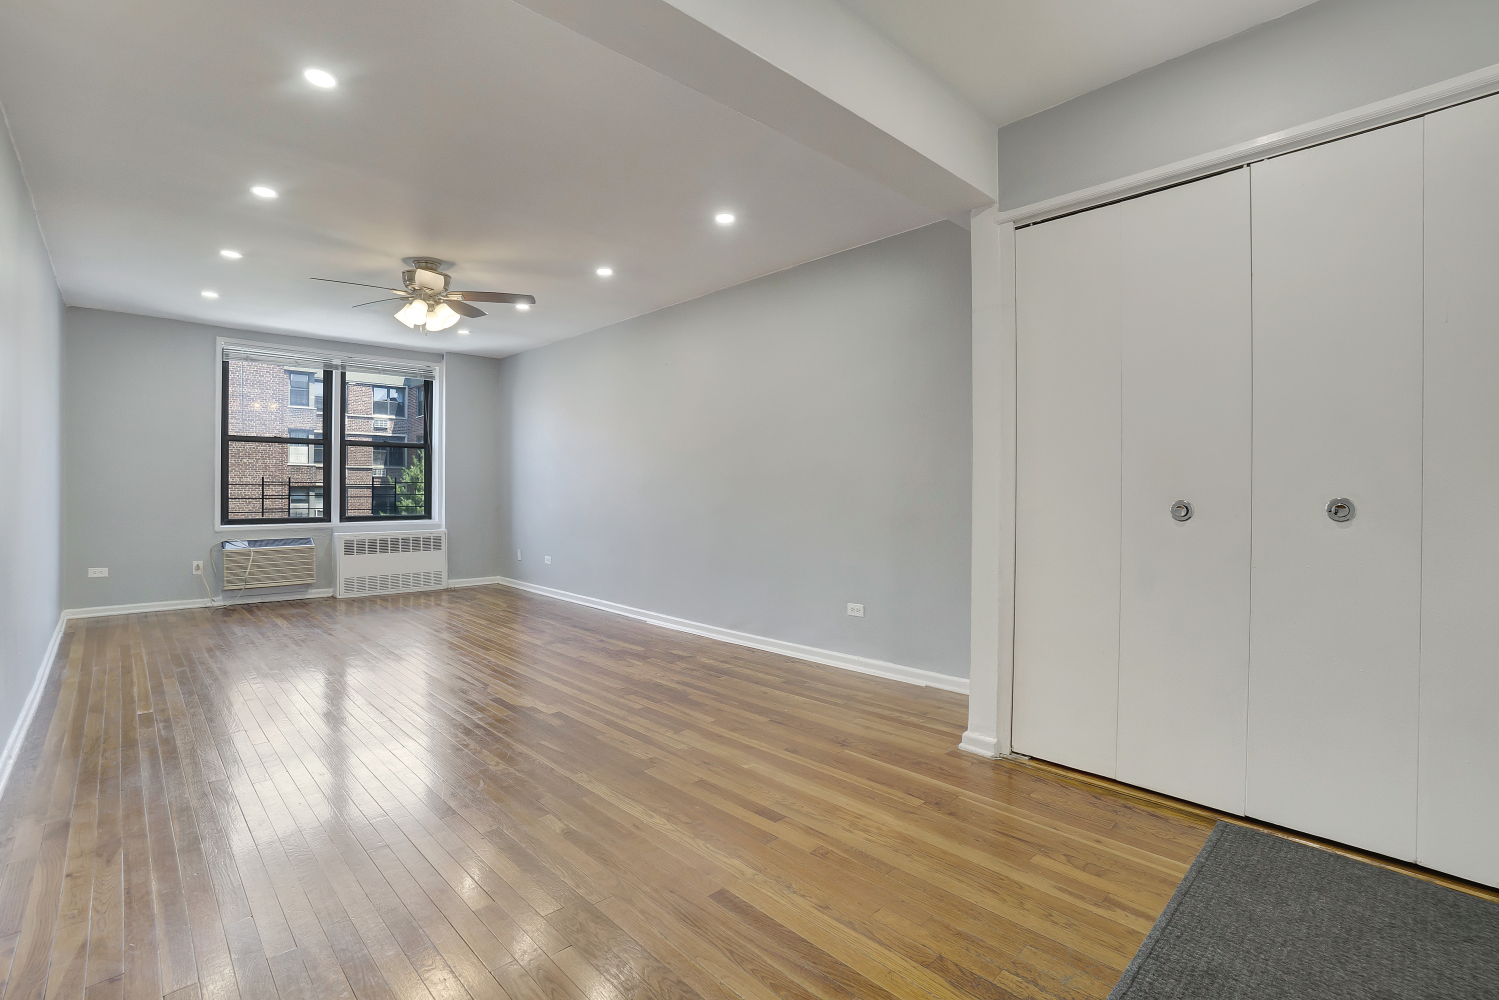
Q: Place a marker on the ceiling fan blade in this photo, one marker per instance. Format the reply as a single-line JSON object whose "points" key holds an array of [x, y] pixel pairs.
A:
{"points": [[464, 309], [376, 302], [383, 288], [493, 297]]}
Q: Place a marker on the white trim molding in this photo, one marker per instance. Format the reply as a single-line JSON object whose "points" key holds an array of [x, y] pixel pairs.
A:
{"points": [[826, 657], [992, 555], [1470, 86], [198, 602], [12, 750], [984, 746]]}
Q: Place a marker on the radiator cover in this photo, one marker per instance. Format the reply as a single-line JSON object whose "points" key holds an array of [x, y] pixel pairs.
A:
{"points": [[268, 562], [390, 562]]}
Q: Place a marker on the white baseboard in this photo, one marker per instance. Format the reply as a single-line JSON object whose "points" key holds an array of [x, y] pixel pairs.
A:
{"points": [[827, 657], [476, 581], [197, 602], [28, 709], [984, 746], [987, 746]]}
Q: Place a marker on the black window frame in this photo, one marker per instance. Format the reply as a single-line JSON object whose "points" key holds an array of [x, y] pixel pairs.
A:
{"points": [[425, 447], [225, 439]]}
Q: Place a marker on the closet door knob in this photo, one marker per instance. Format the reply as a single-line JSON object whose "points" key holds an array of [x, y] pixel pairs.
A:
{"points": [[1340, 509], [1181, 510]]}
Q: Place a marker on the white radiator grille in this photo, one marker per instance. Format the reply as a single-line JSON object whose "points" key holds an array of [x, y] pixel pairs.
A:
{"points": [[391, 562], [368, 545], [392, 583], [269, 566]]}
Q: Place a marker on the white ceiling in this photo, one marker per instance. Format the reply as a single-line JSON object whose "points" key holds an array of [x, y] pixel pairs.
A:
{"points": [[473, 130], [1013, 58]]}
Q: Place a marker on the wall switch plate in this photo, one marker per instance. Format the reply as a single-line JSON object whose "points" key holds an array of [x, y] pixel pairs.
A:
{"points": [[549, 560], [857, 610], [197, 567], [98, 571], [517, 555]]}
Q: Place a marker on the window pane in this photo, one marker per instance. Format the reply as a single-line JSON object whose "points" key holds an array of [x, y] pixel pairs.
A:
{"points": [[264, 483], [271, 400], [385, 407], [379, 490]]}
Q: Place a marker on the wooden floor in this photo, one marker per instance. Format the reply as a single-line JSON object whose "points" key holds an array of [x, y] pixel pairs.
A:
{"points": [[489, 794]]}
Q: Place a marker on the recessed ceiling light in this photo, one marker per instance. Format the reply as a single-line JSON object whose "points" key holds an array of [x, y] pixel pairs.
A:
{"points": [[463, 333], [210, 295], [320, 78], [604, 272], [231, 254], [724, 218], [522, 306], [261, 191]]}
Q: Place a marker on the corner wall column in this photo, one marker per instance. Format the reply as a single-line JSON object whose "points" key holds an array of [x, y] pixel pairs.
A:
{"points": [[992, 613]]}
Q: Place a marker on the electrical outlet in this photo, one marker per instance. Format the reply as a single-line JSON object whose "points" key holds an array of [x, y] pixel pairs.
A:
{"points": [[197, 567], [548, 560], [98, 571], [856, 610]]}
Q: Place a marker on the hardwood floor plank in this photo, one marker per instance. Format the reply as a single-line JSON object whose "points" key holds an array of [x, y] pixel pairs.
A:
{"points": [[482, 794]]}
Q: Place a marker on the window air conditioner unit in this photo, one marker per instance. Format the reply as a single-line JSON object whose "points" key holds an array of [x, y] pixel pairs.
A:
{"points": [[268, 562], [390, 562]]}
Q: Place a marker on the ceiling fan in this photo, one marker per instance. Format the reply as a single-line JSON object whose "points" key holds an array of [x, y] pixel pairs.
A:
{"points": [[429, 304]]}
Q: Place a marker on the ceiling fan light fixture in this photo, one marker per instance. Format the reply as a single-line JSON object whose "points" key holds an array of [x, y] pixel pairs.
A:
{"points": [[413, 313], [441, 317], [523, 307]]}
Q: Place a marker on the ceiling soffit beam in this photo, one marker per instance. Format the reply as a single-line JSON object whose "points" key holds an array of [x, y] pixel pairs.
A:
{"points": [[813, 71]]}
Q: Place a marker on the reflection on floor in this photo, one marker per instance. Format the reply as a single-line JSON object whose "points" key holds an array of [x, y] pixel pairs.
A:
{"points": [[490, 794]]}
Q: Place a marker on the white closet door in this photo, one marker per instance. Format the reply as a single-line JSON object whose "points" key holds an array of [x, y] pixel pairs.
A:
{"points": [[1067, 498], [1459, 758], [1184, 612], [1336, 607]]}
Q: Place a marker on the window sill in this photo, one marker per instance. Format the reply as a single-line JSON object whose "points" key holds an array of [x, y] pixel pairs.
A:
{"points": [[341, 526]]}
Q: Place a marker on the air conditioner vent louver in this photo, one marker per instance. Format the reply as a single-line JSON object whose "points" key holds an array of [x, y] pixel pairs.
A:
{"points": [[391, 562], [268, 562]]}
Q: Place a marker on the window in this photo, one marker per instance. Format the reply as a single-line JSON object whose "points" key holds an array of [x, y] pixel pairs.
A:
{"points": [[277, 425], [307, 390], [307, 501], [304, 454], [272, 472], [388, 458], [388, 401], [387, 447]]}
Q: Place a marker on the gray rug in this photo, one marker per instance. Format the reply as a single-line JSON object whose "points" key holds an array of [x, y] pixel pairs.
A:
{"points": [[1262, 918]]}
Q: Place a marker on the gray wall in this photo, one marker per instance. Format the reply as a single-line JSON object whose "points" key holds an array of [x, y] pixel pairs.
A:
{"points": [[30, 341], [146, 507], [758, 458], [1330, 57]]}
